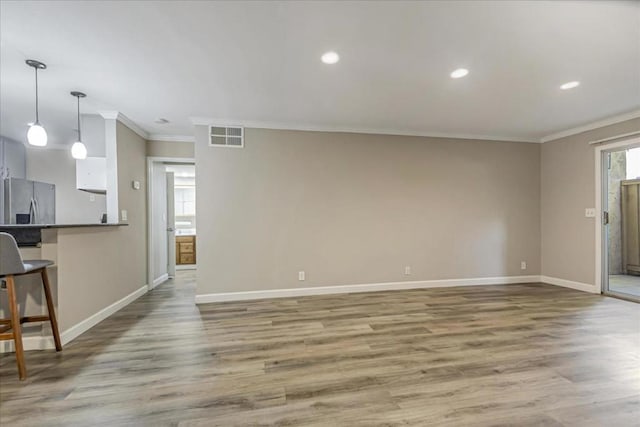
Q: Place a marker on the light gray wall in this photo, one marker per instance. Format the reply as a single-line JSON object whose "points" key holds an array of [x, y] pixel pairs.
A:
{"points": [[57, 167], [357, 208], [568, 187], [93, 135], [170, 149]]}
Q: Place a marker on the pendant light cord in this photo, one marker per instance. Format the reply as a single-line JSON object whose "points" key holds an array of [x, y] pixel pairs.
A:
{"points": [[79, 132], [37, 118]]}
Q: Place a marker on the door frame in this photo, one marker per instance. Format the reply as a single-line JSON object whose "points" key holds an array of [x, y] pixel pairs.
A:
{"points": [[150, 241], [601, 233]]}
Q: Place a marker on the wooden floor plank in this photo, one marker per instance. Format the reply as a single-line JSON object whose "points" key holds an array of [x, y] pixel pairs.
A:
{"points": [[526, 355]]}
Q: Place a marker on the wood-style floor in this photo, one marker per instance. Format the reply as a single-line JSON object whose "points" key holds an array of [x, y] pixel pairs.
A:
{"points": [[496, 355]]}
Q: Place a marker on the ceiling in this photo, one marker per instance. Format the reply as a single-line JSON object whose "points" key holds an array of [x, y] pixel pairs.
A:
{"points": [[258, 64]]}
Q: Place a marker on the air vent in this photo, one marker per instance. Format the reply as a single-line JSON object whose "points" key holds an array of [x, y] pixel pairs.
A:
{"points": [[229, 136]]}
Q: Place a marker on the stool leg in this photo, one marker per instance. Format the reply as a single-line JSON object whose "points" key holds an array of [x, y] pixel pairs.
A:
{"points": [[51, 309], [15, 327]]}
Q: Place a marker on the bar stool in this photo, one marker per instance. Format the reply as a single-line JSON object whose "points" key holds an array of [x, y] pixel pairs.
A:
{"points": [[12, 265]]}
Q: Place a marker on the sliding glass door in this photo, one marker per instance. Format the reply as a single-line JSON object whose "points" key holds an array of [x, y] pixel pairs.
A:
{"points": [[621, 222]]}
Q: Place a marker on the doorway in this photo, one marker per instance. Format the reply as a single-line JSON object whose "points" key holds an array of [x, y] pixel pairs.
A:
{"points": [[171, 217], [620, 220]]}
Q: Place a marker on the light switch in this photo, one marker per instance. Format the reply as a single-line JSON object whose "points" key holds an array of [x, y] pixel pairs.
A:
{"points": [[123, 215], [590, 213], [135, 185]]}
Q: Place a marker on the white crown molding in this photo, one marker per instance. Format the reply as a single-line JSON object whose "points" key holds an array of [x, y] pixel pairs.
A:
{"points": [[591, 126], [171, 138], [315, 128], [116, 115]]}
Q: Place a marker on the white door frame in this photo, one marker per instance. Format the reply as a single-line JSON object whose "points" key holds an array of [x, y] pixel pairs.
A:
{"points": [[601, 243], [150, 161]]}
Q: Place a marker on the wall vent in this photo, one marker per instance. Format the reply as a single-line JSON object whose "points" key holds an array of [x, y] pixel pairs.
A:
{"points": [[226, 136]]}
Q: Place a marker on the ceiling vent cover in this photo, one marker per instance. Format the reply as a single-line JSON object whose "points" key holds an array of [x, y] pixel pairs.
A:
{"points": [[226, 136]]}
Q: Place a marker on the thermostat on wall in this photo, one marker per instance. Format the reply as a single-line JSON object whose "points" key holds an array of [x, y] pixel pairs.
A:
{"points": [[135, 185]]}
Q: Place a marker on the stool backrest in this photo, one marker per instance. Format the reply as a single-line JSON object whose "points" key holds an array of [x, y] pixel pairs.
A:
{"points": [[10, 259]]}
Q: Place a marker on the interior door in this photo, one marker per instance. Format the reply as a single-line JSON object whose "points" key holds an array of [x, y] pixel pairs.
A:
{"points": [[171, 225], [159, 224]]}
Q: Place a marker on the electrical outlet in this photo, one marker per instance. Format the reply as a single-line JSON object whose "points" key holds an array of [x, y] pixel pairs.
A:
{"points": [[407, 270], [123, 215], [301, 276], [523, 265], [92, 197]]}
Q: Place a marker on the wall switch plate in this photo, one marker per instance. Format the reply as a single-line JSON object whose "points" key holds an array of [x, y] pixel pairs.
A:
{"points": [[123, 215], [523, 265], [301, 276], [407, 270], [590, 212], [135, 185]]}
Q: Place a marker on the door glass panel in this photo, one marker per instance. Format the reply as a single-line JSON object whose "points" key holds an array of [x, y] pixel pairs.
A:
{"points": [[623, 229]]}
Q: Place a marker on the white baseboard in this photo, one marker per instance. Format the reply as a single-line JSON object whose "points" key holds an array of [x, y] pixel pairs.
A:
{"points": [[46, 343], [371, 287], [159, 280], [187, 267], [585, 287]]}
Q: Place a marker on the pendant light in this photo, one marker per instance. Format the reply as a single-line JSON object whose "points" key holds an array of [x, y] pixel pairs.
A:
{"points": [[78, 149], [36, 135]]}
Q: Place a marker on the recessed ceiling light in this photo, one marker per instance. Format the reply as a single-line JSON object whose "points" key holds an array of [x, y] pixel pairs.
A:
{"points": [[330, 57], [460, 72], [570, 85], [161, 121]]}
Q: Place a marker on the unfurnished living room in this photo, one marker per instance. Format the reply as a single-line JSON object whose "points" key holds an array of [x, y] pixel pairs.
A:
{"points": [[320, 213]]}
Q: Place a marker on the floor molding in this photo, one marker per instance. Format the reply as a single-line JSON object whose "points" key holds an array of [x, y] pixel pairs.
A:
{"points": [[187, 267], [585, 287], [159, 280], [371, 287], [46, 342]]}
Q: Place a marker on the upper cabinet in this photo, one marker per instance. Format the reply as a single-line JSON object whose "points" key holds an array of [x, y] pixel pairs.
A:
{"points": [[91, 175], [13, 159]]}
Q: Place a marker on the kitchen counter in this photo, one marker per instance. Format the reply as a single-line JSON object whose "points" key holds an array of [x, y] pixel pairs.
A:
{"points": [[40, 226], [31, 234]]}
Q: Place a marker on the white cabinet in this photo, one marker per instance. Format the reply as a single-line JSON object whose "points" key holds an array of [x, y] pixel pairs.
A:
{"points": [[91, 175]]}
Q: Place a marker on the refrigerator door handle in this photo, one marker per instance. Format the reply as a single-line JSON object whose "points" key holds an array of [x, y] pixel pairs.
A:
{"points": [[33, 212]]}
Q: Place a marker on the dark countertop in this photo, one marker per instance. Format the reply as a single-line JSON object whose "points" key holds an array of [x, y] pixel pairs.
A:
{"points": [[40, 226]]}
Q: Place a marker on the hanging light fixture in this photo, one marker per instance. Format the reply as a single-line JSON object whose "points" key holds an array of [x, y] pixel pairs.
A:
{"points": [[78, 149], [36, 134]]}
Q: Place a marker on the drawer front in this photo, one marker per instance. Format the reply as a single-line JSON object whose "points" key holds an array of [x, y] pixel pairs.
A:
{"points": [[186, 248], [185, 239], [187, 259]]}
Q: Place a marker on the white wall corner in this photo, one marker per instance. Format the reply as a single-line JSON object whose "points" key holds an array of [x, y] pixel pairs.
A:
{"points": [[171, 138], [116, 115], [593, 125]]}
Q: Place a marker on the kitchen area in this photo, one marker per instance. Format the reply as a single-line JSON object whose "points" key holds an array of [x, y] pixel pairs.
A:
{"points": [[86, 215]]}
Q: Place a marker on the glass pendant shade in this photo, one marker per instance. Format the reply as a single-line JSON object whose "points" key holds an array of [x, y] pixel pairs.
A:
{"points": [[37, 135], [78, 150]]}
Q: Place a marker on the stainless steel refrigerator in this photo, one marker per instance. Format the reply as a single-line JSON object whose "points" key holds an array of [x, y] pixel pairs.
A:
{"points": [[29, 202]]}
